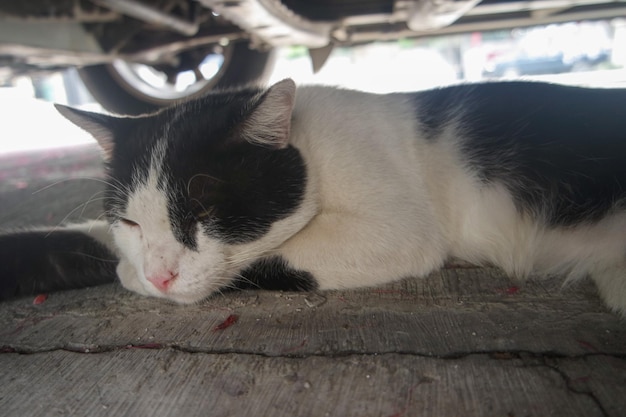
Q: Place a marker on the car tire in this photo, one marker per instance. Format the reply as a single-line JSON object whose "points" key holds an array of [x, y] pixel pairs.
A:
{"points": [[242, 65]]}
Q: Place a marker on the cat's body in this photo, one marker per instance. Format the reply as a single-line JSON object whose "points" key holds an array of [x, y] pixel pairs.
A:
{"points": [[327, 188]]}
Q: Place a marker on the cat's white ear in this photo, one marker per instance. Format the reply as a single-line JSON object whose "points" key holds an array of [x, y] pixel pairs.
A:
{"points": [[100, 126], [270, 123]]}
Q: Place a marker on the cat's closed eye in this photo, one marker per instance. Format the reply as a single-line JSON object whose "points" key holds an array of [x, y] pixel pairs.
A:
{"points": [[129, 223]]}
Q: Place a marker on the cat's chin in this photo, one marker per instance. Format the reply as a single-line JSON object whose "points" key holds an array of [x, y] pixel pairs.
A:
{"points": [[190, 294]]}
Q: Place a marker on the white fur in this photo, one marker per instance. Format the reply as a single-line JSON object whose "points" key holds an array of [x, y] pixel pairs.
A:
{"points": [[381, 204], [374, 224]]}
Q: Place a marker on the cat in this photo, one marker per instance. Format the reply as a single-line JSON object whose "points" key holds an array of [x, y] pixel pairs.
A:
{"points": [[312, 187]]}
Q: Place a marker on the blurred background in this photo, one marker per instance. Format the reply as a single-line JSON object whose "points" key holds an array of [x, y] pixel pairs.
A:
{"points": [[587, 53]]}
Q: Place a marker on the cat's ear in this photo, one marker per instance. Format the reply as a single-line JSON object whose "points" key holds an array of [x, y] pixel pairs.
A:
{"points": [[100, 126], [270, 122]]}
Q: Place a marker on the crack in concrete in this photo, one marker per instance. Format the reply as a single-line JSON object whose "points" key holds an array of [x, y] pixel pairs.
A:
{"points": [[492, 354], [571, 388], [538, 359]]}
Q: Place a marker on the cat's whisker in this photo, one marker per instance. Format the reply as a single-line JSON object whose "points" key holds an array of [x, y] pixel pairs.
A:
{"points": [[81, 206], [96, 179], [60, 224], [205, 212], [86, 255], [188, 187], [244, 279], [251, 255], [54, 184], [257, 252], [101, 215], [90, 200], [221, 286]]}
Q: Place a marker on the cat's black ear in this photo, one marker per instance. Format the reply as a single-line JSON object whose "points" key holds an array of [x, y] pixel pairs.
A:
{"points": [[100, 126], [270, 122]]}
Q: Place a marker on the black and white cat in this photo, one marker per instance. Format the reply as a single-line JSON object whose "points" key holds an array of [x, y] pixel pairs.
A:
{"points": [[321, 188]]}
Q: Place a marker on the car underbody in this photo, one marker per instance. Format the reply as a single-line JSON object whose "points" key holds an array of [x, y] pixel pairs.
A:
{"points": [[173, 36], [152, 31]]}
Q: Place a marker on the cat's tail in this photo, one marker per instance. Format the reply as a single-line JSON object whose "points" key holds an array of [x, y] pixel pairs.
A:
{"points": [[44, 260]]}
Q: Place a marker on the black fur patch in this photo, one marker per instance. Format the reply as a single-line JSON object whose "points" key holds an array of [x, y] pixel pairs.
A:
{"points": [[213, 178], [40, 261], [561, 151], [236, 193], [274, 274], [437, 108]]}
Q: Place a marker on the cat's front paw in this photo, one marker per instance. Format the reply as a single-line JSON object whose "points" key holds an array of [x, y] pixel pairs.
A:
{"points": [[611, 284], [129, 277]]}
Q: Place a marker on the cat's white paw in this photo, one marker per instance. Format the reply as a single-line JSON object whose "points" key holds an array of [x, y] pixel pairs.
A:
{"points": [[611, 284]]}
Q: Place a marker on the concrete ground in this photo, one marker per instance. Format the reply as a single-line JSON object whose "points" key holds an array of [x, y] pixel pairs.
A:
{"points": [[463, 342]]}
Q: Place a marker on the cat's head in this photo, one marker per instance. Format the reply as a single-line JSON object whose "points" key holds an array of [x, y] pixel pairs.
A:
{"points": [[198, 191]]}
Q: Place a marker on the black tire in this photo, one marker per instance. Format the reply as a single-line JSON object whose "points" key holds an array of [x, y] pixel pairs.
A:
{"points": [[241, 66]]}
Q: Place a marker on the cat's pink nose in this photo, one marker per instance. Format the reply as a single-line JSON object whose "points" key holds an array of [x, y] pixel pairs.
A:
{"points": [[162, 281]]}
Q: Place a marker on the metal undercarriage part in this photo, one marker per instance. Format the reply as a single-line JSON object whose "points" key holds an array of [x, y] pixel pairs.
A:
{"points": [[272, 23], [80, 32]]}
